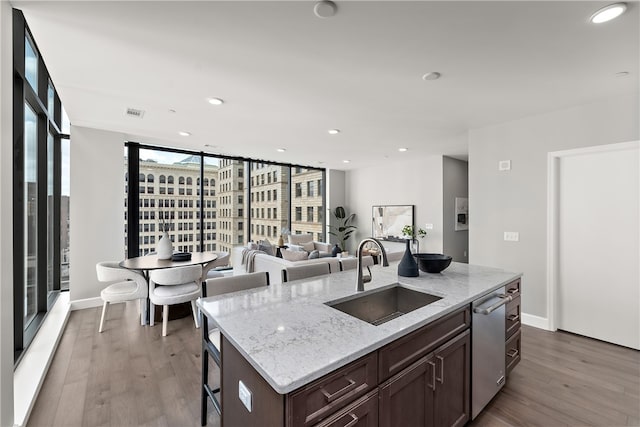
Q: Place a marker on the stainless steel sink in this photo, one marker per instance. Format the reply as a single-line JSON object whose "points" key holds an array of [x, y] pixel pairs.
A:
{"points": [[386, 304]]}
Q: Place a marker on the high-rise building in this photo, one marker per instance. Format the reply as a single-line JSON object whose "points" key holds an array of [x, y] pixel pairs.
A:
{"points": [[235, 194], [170, 198]]}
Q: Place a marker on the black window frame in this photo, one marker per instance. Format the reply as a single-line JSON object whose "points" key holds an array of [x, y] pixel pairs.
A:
{"points": [[133, 196], [49, 123]]}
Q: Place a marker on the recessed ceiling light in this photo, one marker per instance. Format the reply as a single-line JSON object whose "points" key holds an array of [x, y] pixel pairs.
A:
{"points": [[325, 9], [333, 131], [281, 150], [215, 101], [183, 133], [432, 75], [402, 150], [622, 74], [346, 161], [608, 13]]}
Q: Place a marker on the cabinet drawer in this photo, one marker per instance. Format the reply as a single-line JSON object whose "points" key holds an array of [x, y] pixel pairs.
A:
{"points": [[513, 288], [361, 413], [403, 352], [512, 322], [320, 399], [512, 352]]}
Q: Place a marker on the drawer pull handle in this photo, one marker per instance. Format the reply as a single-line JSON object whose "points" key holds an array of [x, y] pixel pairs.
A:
{"points": [[333, 396], [513, 352], [513, 291], [513, 318], [433, 376], [441, 379], [353, 422]]}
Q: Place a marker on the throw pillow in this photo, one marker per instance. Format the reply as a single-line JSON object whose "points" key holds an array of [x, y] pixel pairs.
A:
{"points": [[308, 246], [266, 247], [252, 246], [314, 254], [294, 255]]}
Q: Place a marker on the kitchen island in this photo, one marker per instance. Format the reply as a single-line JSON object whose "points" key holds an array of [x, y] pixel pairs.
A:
{"points": [[286, 338]]}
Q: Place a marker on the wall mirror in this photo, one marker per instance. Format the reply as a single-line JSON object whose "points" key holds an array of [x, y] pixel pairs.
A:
{"points": [[388, 220]]}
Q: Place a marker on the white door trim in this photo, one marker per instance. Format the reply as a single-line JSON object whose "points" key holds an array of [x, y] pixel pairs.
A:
{"points": [[553, 163]]}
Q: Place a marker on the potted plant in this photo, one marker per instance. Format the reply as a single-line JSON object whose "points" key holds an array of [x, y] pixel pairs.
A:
{"points": [[409, 233], [345, 228]]}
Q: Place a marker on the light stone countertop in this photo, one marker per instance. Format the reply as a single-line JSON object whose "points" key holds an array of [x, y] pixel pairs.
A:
{"points": [[288, 334]]}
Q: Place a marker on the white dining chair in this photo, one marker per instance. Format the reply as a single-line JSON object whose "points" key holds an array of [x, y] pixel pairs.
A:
{"points": [[305, 271], [175, 285], [126, 285], [209, 272], [211, 337], [352, 263]]}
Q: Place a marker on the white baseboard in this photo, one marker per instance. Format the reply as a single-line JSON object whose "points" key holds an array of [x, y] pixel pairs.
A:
{"points": [[79, 304], [32, 369], [535, 321]]}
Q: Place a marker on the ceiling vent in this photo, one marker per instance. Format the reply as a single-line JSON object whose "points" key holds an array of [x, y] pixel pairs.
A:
{"points": [[133, 112]]}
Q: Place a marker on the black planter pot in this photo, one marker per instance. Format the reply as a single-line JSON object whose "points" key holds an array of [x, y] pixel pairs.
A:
{"points": [[408, 266]]}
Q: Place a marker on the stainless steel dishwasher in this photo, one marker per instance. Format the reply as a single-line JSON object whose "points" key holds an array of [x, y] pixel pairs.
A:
{"points": [[487, 346]]}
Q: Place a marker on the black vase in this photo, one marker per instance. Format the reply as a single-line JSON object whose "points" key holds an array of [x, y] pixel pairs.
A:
{"points": [[336, 250], [408, 266]]}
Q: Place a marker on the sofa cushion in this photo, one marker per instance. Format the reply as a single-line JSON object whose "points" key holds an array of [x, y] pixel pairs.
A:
{"points": [[299, 239], [308, 246], [294, 255]]}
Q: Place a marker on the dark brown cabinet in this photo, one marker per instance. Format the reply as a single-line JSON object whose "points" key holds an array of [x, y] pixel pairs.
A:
{"points": [[512, 327], [323, 397], [433, 391], [361, 413], [421, 379], [453, 370], [407, 398]]}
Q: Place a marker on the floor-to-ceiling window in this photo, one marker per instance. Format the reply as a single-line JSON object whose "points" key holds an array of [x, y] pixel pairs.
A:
{"points": [[37, 176], [211, 203]]}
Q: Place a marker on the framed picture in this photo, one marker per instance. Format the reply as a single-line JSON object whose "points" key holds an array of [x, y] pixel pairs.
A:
{"points": [[388, 220]]}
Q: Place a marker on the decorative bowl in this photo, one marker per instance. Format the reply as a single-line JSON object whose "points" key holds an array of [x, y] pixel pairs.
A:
{"points": [[432, 263], [181, 256]]}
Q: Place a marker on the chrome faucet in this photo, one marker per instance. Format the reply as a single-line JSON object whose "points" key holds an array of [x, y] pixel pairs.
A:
{"points": [[366, 279]]}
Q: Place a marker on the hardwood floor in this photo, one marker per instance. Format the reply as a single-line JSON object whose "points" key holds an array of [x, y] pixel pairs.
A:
{"points": [[568, 380], [130, 376], [126, 376]]}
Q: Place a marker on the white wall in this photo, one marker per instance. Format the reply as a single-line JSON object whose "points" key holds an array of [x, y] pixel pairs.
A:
{"points": [[414, 181], [517, 200], [6, 215], [335, 197], [96, 206], [455, 183]]}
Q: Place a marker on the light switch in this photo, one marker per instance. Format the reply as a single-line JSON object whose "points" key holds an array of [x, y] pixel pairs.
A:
{"points": [[245, 395], [504, 165], [511, 236], [428, 226]]}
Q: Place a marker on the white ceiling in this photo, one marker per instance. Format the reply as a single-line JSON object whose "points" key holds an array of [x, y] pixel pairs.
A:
{"points": [[287, 76]]}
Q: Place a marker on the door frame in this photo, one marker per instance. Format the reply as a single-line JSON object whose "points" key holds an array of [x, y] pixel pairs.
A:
{"points": [[553, 175]]}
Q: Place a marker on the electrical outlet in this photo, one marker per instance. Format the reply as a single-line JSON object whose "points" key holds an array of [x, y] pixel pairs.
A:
{"points": [[428, 226], [511, 236], [504, 165], [245, 395]]}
